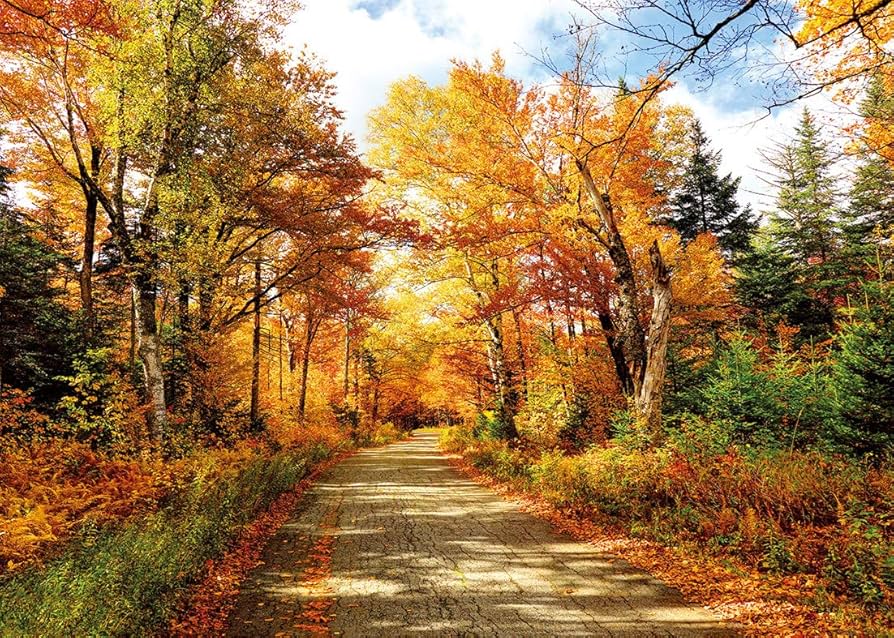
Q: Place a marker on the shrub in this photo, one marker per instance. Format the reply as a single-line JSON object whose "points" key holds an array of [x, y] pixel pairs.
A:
{"points": [[100, 407], [126, 582], [864, 374], [767, 399]]}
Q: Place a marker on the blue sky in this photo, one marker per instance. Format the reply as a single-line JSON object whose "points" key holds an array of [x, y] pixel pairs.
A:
{"points": [[372, 43]]}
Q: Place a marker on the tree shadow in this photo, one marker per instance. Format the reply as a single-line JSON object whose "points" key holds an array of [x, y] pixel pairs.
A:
{"points": [[421, 550]]}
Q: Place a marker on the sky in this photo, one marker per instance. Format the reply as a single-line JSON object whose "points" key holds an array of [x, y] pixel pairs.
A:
{"points": [[370, 44]]}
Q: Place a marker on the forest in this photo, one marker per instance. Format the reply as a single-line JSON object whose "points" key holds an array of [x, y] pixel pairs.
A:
{"points": [[207, 290]]}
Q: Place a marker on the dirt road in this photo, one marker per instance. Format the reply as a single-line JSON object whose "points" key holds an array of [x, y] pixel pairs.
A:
{"points": [[395, 542]]}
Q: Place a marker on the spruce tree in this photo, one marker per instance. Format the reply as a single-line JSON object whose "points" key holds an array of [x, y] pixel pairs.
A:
{"points": [[864, 372], [805, 224], [705, 202], [807, 201], [768, 284], [869, 218], [37, 334]]}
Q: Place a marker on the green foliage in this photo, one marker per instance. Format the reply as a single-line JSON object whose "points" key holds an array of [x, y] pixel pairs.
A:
{"points": [[127, 582], [38, 335], [100, 407], [769, 284], [542, 418], [864, 373], [804, 226], [695, 435], [576, 431], [807, 200], [870, 216], [627, 432], [706, 202], [772, 399], [871, 208], [492, 424]]}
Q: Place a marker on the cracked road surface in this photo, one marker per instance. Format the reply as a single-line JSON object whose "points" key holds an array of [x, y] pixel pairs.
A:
{"points": [[410, 547]]}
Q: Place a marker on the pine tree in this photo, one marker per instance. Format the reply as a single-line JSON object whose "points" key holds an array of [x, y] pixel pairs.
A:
{"points": [[869, 218], [37, 333], [805, 225], [706, 202]]}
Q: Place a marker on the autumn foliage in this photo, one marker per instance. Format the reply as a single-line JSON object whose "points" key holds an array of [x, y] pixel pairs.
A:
{"points": [[206, 289]]}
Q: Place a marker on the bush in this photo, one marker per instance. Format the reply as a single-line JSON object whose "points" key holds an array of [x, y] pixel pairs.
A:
{"points": [[780, 511], [864, 374], [767, 399], [100, 407], [126, 582]]}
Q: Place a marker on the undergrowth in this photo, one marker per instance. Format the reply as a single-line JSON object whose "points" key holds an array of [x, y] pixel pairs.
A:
{"points": [[781, 512], [125, 575]]}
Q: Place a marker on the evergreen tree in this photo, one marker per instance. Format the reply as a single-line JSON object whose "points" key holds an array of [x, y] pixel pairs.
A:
{"points": [[805, 224], [869, 218], [864, 373], [706, 202], [38, 335], [807, 200], [768, 284], [871, 202]]}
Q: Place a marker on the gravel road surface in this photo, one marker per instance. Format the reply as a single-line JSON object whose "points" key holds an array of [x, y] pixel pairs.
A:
{"points": [[394, 541]]}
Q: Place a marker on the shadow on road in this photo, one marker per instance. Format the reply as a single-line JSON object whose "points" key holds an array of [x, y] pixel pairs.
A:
{"points": [[420, 550]]}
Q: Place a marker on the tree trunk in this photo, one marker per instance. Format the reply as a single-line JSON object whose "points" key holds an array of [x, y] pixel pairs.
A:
{"points": [[205, 300], [86, 275], [650, 395], [520, 352], [279, 357], [356, 380], [305, 366], [374, 410], [150, 356], [254, 410], [132, 354], [645, 358], [507, 397], [347, 358], [622, 371]]}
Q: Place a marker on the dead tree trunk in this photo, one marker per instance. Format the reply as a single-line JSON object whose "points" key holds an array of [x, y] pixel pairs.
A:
{"points": [[642, 349], [650, 394]]}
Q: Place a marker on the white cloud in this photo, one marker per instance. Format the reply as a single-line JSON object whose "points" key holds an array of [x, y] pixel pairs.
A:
{"points": [[418, 37], [741, 135]]}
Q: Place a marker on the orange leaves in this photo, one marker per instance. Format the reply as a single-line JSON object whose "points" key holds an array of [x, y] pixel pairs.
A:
{"points": [[49, 491], [26, 24], [847, 43]]}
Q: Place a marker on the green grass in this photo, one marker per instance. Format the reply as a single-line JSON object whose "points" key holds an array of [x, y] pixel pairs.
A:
{"points": [[126, 582]]}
